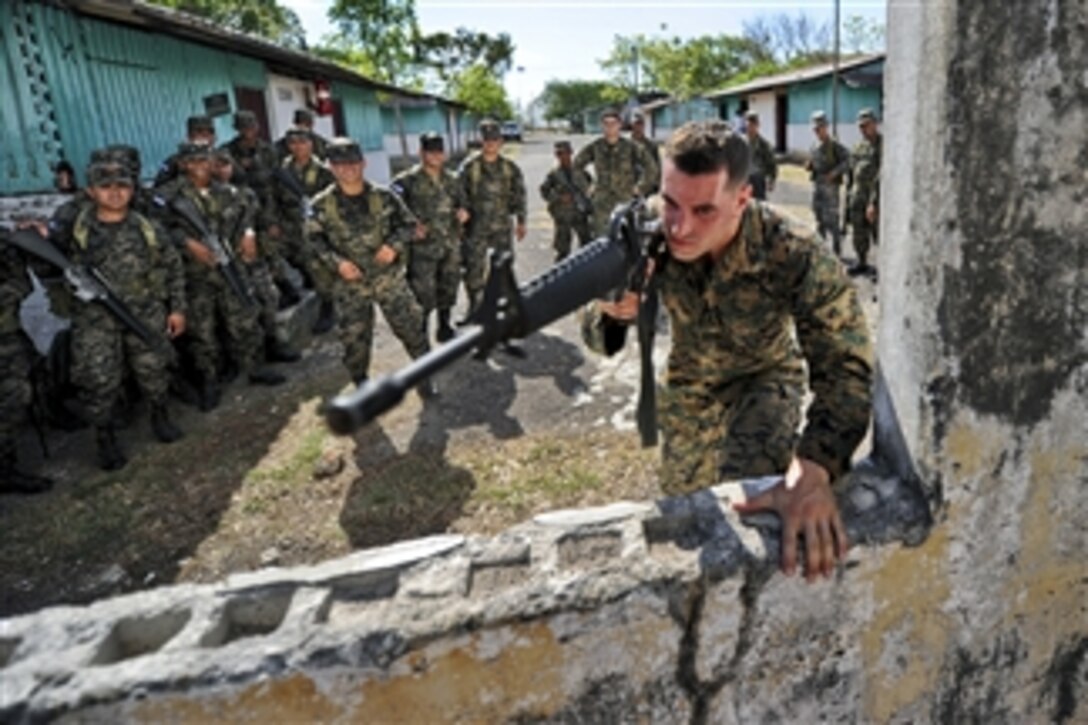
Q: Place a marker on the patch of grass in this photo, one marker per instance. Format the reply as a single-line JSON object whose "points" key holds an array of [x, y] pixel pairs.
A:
{"points": [[793, 173], [302, 460]]}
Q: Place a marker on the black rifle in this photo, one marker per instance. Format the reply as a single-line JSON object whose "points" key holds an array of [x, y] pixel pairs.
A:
{"points": [[224, 256], [608, 266], [87, 283], [581, 201]]}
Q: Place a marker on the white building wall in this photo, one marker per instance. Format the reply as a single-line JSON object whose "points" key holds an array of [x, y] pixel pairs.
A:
{"points": [[283, 96], [764, 105]]}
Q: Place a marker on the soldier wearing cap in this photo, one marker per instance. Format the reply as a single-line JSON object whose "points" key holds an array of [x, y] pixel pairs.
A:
{"points": [[566, 191], [254, 159], [764, 165], [432, 194], [494, 191], [621, 170], [303, 118], [210, 297], [361, 232], [199, 129], [828, 163], [863, 191], [300, 173], [144, 270], [638, 135]]}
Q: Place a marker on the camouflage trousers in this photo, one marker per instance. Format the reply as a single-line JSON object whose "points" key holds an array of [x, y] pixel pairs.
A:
{"points": [[101, 347], [212, 302], [15, 393], [864, 232], [265, 292], [434, 275], [565, 229], [825, 205], [747, 429], [476, 251], [355, 311]]}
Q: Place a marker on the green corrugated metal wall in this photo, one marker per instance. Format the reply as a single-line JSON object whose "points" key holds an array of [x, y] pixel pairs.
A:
{"points": [[361, 114], [804, 98], [417, 120]]}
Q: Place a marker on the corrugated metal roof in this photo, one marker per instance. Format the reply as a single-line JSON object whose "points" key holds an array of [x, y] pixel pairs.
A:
{"points": [[795, 76]]}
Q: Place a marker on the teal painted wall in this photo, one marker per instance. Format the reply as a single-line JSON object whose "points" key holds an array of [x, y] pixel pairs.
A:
{"points": [[362, 114], [416, 120], [804, 98]]}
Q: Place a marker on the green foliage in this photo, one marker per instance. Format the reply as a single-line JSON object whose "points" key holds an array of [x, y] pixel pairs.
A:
{"points": [[376, 35], [484, 95], [567, 99], [862, 35], [450, 54], [265, 18]]}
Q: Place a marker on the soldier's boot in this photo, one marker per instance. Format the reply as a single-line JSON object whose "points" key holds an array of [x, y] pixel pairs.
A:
{"points": [[325, 318], [427, 389], [209, 394], [12, 480], [445, 329], [289, 296], [276, 351], [110, 456], [266, 376], [161, 425]]}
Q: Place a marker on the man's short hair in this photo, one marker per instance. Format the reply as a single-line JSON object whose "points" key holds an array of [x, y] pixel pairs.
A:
{"points": [[564, 146], [198, 124], [706, 147]]}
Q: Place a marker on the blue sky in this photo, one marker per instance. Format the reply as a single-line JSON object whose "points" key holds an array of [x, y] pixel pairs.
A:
{"points": [[564, 39]]}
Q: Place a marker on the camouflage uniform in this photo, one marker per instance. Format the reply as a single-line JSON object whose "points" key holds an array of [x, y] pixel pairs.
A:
{"points": [[15, 393], [764, 166], [620, 169], [285, 209], [651, 173], [864, 174], [828, 158], [354, 228], [733, 388], [563, 207], [494, 191], [434, 262], [253, 165]]}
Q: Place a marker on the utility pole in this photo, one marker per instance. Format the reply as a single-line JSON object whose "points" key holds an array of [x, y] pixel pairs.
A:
{"points": [[835, 78]]}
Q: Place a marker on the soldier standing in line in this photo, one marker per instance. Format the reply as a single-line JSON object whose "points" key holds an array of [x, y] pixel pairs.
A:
{"points": [[828, 162], [566, 191], [652, 174], [494, 191], [764, 165], [304, 119], [15, 390], [144, 270], [298, 179], [754, 302], [210, 297], [198, 130], [361, 231], [434, 196], [863, 192], [620, 168]]}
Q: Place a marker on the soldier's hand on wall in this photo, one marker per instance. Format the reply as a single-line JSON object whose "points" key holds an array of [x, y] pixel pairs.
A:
{"points": [[626, 310], [807, 507], [519, 231], [348, 271], [200, 253], [248, 247], [421, 230], [385, 255], [175, 325]]}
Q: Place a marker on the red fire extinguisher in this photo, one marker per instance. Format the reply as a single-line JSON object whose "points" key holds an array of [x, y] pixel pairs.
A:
{"points": [[323, 98]]}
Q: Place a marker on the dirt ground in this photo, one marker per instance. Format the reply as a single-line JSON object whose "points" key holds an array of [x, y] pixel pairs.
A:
{"points": [[260, 481]]}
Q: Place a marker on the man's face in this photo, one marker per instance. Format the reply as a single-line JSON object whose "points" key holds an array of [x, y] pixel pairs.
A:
{"points": [[751, 128], [638, 129], [821, 132], [702, 213], [492, 146], [868, 129], [198, 169], [434, 160], [222, 170], [112, 196], [301, 148], [563, 157], [348, 173], [204, 137], [250, 133], [610, 127]]}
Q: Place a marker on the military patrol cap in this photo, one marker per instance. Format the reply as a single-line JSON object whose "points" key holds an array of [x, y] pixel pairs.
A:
{"points": [[189, 150], [489, 130], [563, 146], [245, 119], [819, 118], [343, 150], [101, 173], [431, 141], [222, 155], [195, 124], [609, 113], [751, 116], [866, 114], [302, 115]]}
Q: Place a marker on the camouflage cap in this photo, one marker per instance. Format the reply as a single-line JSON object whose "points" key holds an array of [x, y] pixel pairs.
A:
{"points": [[563, 146], [343, 150], [222, 155], [298, 133], [752, 116], [819, 118], [188, 150], [103, 173], [303, 115], [866, 114], [196, 124], [610, 113], [489, 130], [431, 141], [245, 119]]}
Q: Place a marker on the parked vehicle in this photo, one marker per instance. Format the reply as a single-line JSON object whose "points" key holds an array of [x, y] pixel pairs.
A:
{"points": [[511, 131]]}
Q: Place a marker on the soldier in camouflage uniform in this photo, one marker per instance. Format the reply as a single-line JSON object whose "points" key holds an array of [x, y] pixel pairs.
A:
{"points": [[434, 196], [764, 165], [620, 168], [198, 130], [286, 227], [566, 191], [652, 173], [753, 302], [863, 192], [144, 270], [361, 231], [303, 119], [494, 191], [15, 391], [210, 297], [828, 162]]}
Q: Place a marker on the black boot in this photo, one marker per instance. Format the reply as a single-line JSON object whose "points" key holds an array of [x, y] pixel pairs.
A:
{"points": [[209, 395], [13, 480], [161, 425], [325, 318], [445, 329], [289, 296], [275, 351], [110, 457], [266, 376]]}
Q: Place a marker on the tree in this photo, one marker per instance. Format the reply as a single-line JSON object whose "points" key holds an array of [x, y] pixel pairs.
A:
{"points": [[567, 99], [791, 38], [376, 35], [265, 18], [862, 35], [450, 54], [482, 92]]}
